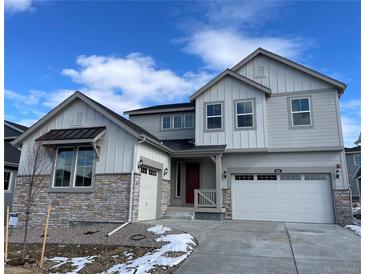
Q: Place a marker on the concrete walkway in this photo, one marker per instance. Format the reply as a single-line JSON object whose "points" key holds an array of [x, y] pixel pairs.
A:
{"points": [[268, 247]]}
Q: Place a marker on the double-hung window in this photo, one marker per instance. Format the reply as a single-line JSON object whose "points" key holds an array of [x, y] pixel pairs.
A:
{"points": [[188, 121], [244, 114], [178, 121], [74, 167], [300, 111], [166, 122], [214, 116]]}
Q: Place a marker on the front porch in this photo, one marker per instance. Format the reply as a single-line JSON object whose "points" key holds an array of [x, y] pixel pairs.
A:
{"points": [[196, 185]]}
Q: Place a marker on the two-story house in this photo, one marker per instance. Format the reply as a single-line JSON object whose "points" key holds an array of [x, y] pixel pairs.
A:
{"points": [[260, 141]]}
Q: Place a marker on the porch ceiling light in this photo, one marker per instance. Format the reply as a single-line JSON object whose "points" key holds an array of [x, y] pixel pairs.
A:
{"points": [[140, 164]]}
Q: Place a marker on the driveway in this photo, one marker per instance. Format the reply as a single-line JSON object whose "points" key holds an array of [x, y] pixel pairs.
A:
{"points": [[268, 247]]}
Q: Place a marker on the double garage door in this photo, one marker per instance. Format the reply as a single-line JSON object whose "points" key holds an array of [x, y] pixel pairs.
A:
{"points": [[284, 197], [147, 208]]}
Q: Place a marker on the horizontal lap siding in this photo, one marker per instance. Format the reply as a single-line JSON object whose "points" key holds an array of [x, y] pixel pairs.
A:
{"points": [[116, 147], [228, 90], [325, 131], [152, 123]]}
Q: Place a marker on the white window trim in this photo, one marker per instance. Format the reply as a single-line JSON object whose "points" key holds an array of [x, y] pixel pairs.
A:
{"points": [[301, 111], [213, 116], [355, 162], [10, 181], [75, 171], [245, 114], [182, 121], [163, 116], [192, 120], [177, 164]]}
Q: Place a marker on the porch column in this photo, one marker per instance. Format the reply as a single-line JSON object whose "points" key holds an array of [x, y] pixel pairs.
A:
{"points": [[218, 179]]}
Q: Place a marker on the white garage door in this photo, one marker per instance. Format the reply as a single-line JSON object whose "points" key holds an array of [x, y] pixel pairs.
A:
{"points": [[284, 197], [148, 194]]}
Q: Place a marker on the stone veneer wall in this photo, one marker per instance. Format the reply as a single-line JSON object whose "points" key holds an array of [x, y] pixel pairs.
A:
{"points": [[227, 203], [343, 206], [135, 199], [165, 195], [109, 202]]}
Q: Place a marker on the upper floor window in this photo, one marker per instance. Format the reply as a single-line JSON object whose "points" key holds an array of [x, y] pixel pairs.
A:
{"points": [[357, 159], [7, 178], [166, 122], [189, 120], [178, 121], [74, 166], [214, 116], [245, 114], [300, 111]]}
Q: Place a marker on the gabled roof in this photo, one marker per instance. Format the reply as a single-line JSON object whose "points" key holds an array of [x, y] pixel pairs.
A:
{"points": [[162, 108], [353, 149], [15, 126], [339, 85], [229, 72], [11, 154], [130, 127]]}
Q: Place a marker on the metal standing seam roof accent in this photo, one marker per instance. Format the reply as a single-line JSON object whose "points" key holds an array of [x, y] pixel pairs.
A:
{"points": [[71, 134]]}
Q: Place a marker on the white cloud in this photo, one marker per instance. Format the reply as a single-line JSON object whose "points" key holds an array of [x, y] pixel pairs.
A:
{"points": [[32, 98], [220, 49], [16, 6], [350, 113], [123, 83]]}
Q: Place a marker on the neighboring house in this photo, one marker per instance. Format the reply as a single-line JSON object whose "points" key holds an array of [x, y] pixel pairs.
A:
{"points": [[353, 160], [261, 141], [11, 160]]}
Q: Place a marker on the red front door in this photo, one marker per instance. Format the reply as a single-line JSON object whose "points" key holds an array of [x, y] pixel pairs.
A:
{"points": [[192, 181]]}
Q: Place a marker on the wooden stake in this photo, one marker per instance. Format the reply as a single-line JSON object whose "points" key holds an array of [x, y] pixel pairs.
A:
{"points": [[7, 233], [45, 236]]}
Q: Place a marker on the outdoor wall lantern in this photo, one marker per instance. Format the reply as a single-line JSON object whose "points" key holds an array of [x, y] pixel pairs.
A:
{"points": [[140, 164], [165, 171], [337, 173], [225, 174]]}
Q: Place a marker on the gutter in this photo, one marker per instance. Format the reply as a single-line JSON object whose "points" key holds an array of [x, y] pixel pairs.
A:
{"points": [[130, 190]]}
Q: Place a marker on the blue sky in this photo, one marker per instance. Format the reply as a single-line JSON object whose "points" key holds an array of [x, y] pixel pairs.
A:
{"points": [[132, 54]]}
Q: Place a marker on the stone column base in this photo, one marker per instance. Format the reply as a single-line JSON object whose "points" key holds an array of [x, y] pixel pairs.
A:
{"points": [[343, 207], [227, 203]]}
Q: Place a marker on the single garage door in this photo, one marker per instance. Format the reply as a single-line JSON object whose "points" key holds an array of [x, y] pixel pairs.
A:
{"points": [[284, 197], [148, 194]]}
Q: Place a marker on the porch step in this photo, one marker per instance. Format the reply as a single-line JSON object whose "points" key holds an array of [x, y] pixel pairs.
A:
{"points": [[180, 213]]}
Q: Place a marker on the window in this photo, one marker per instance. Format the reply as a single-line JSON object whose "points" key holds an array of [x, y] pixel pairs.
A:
{"points": [[74, 167], [214, 116], [152, 172], [188, 121], [266, 177], [315, 177], [178, 179], [144, 170], [63, 167], [300, 111], [178, 121], [290, 177], [7, 177], [244, 114], [357, 159], [84, 166], [166, 122], [243, 177]]}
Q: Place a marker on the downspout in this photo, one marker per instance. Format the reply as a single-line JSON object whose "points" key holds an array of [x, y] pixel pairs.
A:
{"points": [[130, 190]]}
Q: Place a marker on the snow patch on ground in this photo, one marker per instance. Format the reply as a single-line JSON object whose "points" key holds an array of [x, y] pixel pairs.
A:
{"points": [[159, 229], [355, 227], [183, 244], [77, 263]]}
